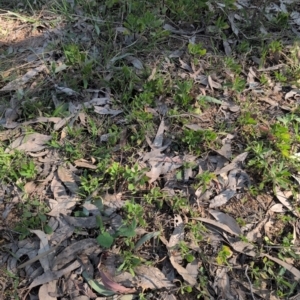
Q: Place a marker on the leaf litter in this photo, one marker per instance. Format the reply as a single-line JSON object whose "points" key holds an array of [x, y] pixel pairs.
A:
{"points": [[81, 194]]}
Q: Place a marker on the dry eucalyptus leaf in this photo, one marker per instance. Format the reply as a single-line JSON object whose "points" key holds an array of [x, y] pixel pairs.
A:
{"points": [[46, 289], [283, 199], [30, 143], [82, 222], [82, 163], [183, 272], [222, 198], [227, 220], [234, 164], [151, 278], [20, 82], [107, 111], [216, 224], [68, 179], [87, 246], [44, 246], [50, 276]]}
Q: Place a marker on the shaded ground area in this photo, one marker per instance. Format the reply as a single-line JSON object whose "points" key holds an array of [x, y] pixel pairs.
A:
{"points": [[149, 150]]}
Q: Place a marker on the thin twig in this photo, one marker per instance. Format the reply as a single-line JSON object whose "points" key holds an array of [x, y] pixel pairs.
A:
{"points": [[251, 291]]}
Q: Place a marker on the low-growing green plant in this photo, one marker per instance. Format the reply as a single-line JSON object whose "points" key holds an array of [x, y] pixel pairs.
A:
{"points": [[134, 211], [223, 255], [196, 49], [134, 177], [33, 216], [16, 165], [196, 140], [232, 65], [205, 179], [182, 93]]}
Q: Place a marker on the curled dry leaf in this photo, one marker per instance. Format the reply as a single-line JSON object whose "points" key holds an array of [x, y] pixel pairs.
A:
{"points": [[82, 163]]}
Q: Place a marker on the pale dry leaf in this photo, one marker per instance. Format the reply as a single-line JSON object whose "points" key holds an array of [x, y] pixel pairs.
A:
{"points": [[65, 90], [222, 285], [277, 208], [61, 123], [106, 111], [30, 187], [30, 143], [256, 233], [82, 163], [283, 199], [178, 233], [50, 276], [151, 278], [234, 164], [82, 222], [87, 246], [158, 141], [46, 289], [68, 179], [110, 284], [182, 271], [193, 268], [222, 198], [227, 220], [44, 246], [216, 224], [194, 127], [21, 81], [213, 84]]}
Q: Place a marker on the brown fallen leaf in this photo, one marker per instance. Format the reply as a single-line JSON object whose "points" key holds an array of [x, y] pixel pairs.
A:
{"points": [[110, 284], [82, 163], [151, 278], [183, 271], [86, 246], [30, 143], [50, 276], [68, 179]]}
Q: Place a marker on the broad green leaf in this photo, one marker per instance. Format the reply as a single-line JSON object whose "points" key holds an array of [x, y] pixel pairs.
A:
{"points": [[105, 240]]}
